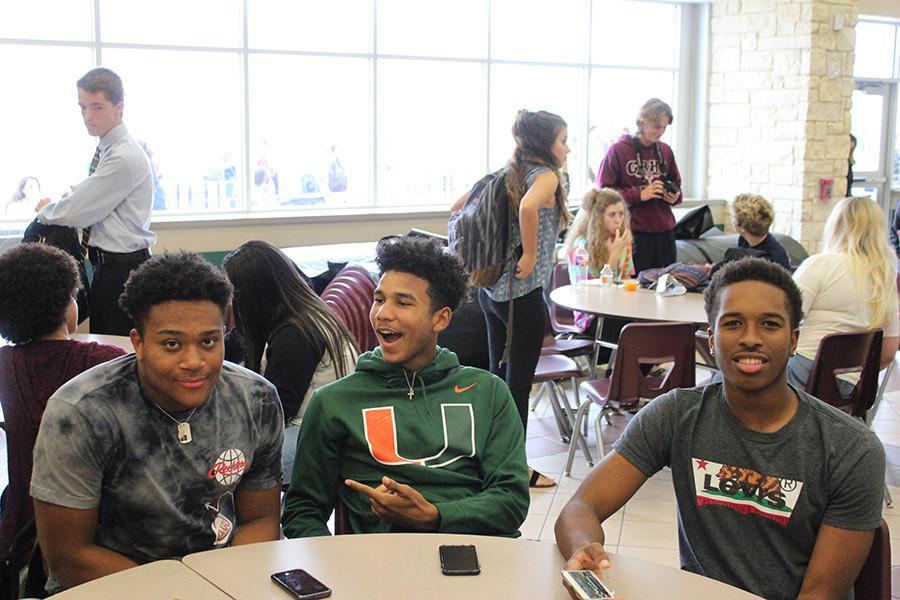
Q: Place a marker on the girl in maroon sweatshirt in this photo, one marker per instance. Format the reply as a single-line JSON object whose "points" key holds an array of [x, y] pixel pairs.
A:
{"points": [[643, 170]]}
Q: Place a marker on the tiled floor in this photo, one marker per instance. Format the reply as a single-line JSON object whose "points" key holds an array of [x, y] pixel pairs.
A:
{"points": [[646, 526]]}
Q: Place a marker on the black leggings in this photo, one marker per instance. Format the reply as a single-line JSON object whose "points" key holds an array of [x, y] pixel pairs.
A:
{"points": [[529, 314]]}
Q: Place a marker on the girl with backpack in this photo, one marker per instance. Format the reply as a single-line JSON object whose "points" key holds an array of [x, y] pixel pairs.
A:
{"points": [[537, 189]]}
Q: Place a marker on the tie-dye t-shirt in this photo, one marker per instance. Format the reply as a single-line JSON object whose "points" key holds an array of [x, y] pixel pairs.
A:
{"points": [[103, 445]]}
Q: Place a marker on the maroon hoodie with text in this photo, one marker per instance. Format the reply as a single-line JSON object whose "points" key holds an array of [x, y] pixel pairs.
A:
{"points": [[619, 171]]}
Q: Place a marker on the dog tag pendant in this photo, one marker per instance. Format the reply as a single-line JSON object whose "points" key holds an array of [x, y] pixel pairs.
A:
{"points": [[184, 433]]}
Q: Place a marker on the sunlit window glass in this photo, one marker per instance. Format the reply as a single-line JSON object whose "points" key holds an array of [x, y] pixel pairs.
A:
{"points": [[866, 115], [634, 33], [896, 163], [70, 20], [616, 97], [413, 27], [874, 50], [559, 90], [186, 107], [332, 26], [537, 30], [309, 149], [45, 135], [194, 23], [430, 138]]}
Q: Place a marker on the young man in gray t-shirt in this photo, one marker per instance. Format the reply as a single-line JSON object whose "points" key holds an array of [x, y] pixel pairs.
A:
{"points": [[778, 493], [163, 452]]}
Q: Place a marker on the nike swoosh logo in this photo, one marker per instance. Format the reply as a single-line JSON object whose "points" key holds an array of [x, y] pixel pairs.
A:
{"points": [[460, 390]]}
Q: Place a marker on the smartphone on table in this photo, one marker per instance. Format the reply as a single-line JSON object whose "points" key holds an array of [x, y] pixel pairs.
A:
{"points": [[459, 560], [301, 585], [586, 585]]}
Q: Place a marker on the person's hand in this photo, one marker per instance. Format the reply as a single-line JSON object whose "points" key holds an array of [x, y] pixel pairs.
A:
{"points": [[618, 244], [41, 204], [590, 558], [671, 197], [653, 191], [399, 504], [525, 266]]}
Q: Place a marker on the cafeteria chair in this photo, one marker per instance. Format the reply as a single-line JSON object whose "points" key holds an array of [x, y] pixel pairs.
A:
{"points": [[341, 519], [567, 339], [639, 344], [350, 296], [842, 353], [550, 371], [874, 579]]}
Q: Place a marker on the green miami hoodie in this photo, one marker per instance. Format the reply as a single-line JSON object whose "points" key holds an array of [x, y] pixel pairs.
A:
{"points": [[458, 441]]}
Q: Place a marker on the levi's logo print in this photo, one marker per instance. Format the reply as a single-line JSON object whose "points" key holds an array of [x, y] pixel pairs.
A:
{"points": [[745, 490], [459, 436]]}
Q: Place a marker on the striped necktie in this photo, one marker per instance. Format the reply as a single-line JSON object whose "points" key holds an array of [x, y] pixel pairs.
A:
{"points": [[86, 232]]}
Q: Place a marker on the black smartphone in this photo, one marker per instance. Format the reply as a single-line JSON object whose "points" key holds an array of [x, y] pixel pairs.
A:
{"points": [[459, 560], [301, 585]]}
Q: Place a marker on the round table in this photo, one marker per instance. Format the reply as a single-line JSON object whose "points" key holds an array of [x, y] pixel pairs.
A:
{"points": [[639, 305], [153, 581], [399, 566]]}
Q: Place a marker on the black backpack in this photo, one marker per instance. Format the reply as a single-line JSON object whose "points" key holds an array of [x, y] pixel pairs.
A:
{"points": [[479, 232], [66, 239]]}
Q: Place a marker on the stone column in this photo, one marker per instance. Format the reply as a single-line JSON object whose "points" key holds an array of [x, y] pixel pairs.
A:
{"points": [[780, 87]]}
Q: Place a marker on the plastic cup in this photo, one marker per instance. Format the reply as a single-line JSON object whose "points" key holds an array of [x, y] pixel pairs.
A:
{"points": [[631, 284]]}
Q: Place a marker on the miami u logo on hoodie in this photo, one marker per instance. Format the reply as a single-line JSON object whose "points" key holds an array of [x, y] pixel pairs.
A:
{"points": [[458, 421]]}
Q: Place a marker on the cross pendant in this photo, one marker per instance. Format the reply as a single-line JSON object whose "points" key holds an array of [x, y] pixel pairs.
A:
{"points": [[410, 394]]}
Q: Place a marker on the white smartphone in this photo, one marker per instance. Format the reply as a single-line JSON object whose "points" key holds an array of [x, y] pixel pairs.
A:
{"points": [[586, 585]]}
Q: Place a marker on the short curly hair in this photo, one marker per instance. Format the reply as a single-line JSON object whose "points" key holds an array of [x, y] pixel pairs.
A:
{"points": [[753, 269], [753, 213], [426, 258], [181, 275], [37, 284]]}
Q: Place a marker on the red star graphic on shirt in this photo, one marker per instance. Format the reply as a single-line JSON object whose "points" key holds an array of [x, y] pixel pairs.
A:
{"points": [[701, 464]]}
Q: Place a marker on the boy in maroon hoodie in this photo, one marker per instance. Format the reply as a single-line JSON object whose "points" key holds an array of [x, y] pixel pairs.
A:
{"points": [[643, 170]]}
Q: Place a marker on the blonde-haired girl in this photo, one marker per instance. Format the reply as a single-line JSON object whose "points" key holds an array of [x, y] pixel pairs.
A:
{"points": [[849, 287], [602, 227]]}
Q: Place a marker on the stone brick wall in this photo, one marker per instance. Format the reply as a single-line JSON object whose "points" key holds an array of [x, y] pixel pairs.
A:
{"points": [[780, 86]]}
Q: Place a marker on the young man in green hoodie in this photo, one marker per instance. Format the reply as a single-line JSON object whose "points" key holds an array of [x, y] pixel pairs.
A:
{"points": [[411, 441]]}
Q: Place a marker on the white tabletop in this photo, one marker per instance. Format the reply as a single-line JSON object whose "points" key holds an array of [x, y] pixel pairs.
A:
{"points": [[160, 580], [641, 304], [400, 566], [122, 341]]}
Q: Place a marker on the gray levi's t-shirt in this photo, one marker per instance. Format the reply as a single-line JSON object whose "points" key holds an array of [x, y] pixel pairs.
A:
{"points": [[103, 445], [750, 504]]}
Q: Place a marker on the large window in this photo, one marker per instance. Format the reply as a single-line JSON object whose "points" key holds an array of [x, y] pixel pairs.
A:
{"points": [[876, 103], [269, 105]]}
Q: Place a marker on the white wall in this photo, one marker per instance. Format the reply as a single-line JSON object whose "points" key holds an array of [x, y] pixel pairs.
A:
{"points": [[224, 235], [880, 8]]}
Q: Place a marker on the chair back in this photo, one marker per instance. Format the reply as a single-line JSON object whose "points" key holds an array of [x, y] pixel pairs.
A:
{"points": [[341, 519], [350, 296], [652, 344], [841, 353], [874, 579], [561, 319]]}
